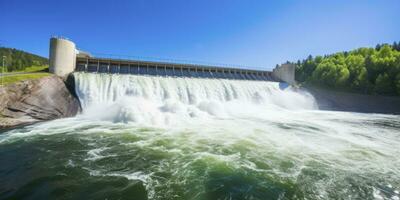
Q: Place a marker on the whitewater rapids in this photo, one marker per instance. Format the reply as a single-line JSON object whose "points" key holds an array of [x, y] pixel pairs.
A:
{"points": [[147, 137]]}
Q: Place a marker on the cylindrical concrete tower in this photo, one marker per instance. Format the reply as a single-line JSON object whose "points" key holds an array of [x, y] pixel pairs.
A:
{"points": [[62, 56]]}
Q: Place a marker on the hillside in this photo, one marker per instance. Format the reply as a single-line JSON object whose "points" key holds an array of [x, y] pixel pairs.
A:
{"points": [[17, 60], [363, 70]]}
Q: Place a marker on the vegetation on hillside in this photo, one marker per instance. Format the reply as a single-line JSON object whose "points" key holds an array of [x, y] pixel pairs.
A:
{"points": [[44, 68], [364, 70], [17, 60], [6, 80]]}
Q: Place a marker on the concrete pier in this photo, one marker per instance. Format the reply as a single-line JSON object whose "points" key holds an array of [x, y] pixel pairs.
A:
{"points": [[285, 73], [62, 57]]}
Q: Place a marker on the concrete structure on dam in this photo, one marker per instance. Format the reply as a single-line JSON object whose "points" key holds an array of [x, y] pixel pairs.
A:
{"points": [[62, 56], [285, 73], [65, 59]]}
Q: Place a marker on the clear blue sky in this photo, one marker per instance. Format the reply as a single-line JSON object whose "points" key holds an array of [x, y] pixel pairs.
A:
{"points": [[253, 33]]}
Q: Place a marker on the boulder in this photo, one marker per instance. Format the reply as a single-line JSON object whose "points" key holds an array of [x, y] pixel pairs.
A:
{"points": [[36, 100]]}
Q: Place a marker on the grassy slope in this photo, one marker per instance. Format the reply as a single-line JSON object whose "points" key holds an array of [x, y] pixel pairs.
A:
{"points": [[21, 77], [43, 68], [34, 73], [37, 69]]}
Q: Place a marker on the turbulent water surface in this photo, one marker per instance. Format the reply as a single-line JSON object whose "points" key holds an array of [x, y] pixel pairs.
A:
{"points": [[181, 138]]}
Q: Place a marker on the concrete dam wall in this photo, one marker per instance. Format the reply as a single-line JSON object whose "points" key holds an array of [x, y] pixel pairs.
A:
{"points": [[65, 59], [102, 65]]}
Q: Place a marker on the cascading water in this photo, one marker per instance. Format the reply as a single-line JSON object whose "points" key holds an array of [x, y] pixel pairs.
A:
{"points": [[149, 137], [157, 101]]}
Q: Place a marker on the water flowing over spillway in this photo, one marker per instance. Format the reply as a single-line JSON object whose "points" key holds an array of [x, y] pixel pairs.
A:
{"points": [[144, 137], [157, 100]]}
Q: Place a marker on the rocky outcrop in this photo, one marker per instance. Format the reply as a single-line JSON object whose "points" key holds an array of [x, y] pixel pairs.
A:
{"points": [[36, 100]]}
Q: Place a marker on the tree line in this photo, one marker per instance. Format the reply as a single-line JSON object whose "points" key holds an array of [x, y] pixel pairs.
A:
{"points": [[364, 70], [17, 60]]}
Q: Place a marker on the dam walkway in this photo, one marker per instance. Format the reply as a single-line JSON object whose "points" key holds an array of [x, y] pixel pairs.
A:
{"points": [[120, 66]]}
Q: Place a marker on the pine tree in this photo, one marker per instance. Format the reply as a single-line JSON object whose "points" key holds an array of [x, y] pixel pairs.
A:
{"points": [[378, 47]]}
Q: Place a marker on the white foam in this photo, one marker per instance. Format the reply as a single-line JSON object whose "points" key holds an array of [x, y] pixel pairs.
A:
{"points": [[168, 101]]}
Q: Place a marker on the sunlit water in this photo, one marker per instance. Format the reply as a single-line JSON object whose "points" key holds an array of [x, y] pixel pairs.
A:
{"points": [[182, 138]]}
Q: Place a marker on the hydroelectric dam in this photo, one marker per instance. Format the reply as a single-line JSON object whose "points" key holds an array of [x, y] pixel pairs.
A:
{"points": [[144, 130], [65, 59]]}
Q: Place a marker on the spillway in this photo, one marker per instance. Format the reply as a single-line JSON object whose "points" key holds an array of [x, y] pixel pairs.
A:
{"points": [[155, 98]]}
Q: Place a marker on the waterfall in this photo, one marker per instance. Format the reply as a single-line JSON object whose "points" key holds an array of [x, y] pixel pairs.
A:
{"points": [[151, 99]]}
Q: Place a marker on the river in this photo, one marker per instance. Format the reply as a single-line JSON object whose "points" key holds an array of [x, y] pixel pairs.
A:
{"points": [[142, 137]]}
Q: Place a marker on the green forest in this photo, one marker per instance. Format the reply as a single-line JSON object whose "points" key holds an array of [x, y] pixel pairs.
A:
{"points": [[17, 60], [363, 70]]}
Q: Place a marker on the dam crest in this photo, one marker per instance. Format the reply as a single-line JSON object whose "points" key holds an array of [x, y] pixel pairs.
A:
{"points": [[65, 59]]}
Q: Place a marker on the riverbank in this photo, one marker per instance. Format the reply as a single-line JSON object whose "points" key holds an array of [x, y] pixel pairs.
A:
{"points": [[353, 102], [36, 100]]}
